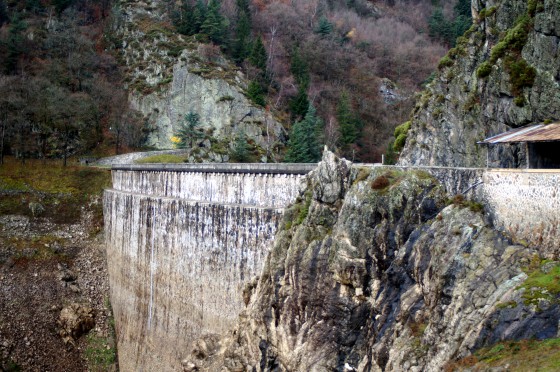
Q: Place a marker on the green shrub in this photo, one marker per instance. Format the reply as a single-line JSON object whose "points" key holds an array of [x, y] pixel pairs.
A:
{"points": [[484, 70], [521, 74], [401, 132], [519, 101], [445, 62]]}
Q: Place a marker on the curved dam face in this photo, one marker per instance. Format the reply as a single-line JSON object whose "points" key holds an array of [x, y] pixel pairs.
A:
{"points": [[182, 241]]}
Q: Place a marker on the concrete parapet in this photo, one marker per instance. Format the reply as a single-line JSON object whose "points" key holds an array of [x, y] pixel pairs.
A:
{"points": [[256, 168]]}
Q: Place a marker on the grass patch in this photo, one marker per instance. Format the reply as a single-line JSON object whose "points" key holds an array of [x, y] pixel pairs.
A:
{"points": [[542, 283], [163, 158], [401, 132], [523, 355], [460, 201], [47, 189], [99, 354], [363, 174], [383, 181]]}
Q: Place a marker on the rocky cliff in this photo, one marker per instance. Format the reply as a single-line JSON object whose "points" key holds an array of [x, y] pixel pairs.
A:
{"points": [[372, 271], [170, 75], [504, 73]]}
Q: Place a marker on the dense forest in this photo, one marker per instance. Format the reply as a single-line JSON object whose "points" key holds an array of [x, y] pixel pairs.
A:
{"points": [[343, 72]]}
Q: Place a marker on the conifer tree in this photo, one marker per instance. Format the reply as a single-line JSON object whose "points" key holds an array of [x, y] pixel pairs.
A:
{"points": [[348, 123], [15, 44], [304, 146], [241, 148], [199, 16], [300, 103], [299, 69], [4, 18], [324, 27], [186, 25], [214, 24], [258, 55], [242, 42], [256, 93], [189, 131]]}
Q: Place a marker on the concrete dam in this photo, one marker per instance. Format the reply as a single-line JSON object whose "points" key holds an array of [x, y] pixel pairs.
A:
{"points": [[182, 241]]}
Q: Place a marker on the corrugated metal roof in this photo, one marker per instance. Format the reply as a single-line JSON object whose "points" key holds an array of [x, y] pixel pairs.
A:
{"points": [[531, 133]]}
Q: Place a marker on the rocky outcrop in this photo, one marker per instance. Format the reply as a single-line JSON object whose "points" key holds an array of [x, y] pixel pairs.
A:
{"points": [[74, 321], [372, 271], [504, 73], [170, 75]]}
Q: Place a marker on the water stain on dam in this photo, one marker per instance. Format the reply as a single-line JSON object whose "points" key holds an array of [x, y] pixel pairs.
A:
{"points": [[181, 244]]}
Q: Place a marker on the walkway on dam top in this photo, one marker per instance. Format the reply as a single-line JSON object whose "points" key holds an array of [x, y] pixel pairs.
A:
{"points": [[293, 168], [266, 168]]}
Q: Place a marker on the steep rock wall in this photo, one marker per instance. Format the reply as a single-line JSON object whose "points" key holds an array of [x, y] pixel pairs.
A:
{"points": [[170, 75], [178, 260], [466, 103], [381, 276]]}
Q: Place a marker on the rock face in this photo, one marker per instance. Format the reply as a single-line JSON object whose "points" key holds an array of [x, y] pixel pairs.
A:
{"points": [[373, 272], [505, 73], [170, 76]]}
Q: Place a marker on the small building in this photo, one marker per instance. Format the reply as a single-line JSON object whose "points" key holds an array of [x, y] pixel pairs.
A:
{"points": [[542, 143]]}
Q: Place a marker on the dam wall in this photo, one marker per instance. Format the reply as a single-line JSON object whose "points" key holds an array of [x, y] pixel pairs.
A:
{"points": [[525, 204], [181, 244]]}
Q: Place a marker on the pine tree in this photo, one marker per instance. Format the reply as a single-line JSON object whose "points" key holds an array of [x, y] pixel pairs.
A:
{"points": [[15, 44], [347, 123], [440, 28], [186, 24], [300, 103], [300, 69], [214, 24], [304, 146], [463, 8], [199, 16], [189, 131], [241, 148], [258, 55], [256, 93], [324, 28], [242, 42], [4, 18]]}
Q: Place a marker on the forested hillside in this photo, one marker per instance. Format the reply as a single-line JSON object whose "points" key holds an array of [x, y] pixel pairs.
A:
{"points": [[60, 90], [356, 64]]}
